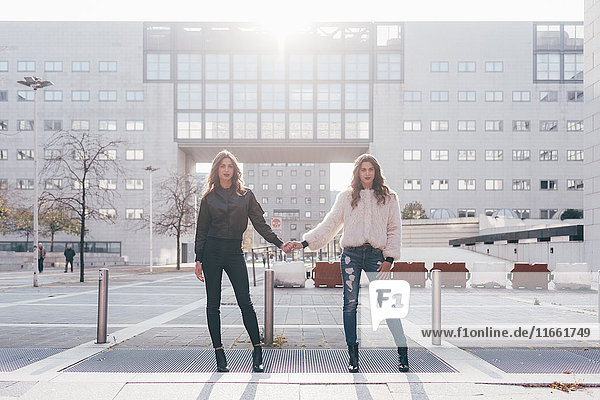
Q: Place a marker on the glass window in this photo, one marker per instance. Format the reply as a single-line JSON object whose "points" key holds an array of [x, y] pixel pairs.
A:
{"points": [[25, 184], [25, 124], [521, 125], [466, 212], [53, 66], [573, 35], [134, 213], [265, 172], [575, 96], [307, 186], [493, 155], [273, 96], [301, 126], [523, 213], [217, 96], [574, 155], [189, 96], [521, 155], [3, 95], [548, 155], [389, 35], [53, 95], [189, 125], [245, 126], [3, 184], [494, 66], [389, 67], [3, 66], [494, 95], [80, 66], [307, 214], [272, 67], [134, 154], [357, 126], [158, 66], [412, 184], [272, 126], [3, 125], [107, 212], [301, 67], [412, 155], [301, 96], [466, 184], [548, 184], [547, 213], [329, 67], [493, 184], [52, 125], [547, 67], [107, 66], [548, 96], [466, 95], [134, 125], [279, 186], [80, 95], [438, 125], [217, 126], [548, 125], [357, 96], [574, 67], [265, 186], [329, 126], [521, 96], [107, 184], [493, 125], [410, 126], [80, 125], [107, 125], [329, 96], [24, 95], [357, 67], [24, 154], [439, 155], [439, 184], [574, 184], [107, 95], [412, 95], [466, 66], [134, 184], [307, 200], [521, 184], [439, 96], [51, 184], [134, 95], [189, 66], [245, 96], [466, 155], [575, 126], [245, 67], [466, 125], [439, 66], [26, 66]]}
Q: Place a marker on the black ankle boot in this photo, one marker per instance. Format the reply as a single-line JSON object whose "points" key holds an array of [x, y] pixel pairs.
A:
{"points": [[257, 361], [221, 360], [403, 359], [353, 361]]}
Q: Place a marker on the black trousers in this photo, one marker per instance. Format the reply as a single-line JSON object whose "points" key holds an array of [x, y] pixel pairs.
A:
{"points": [[67, 265], [227, 255], [40, 264]]}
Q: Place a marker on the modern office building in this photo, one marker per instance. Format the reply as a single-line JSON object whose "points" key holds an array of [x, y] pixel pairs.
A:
{"points": [[467, 116]]}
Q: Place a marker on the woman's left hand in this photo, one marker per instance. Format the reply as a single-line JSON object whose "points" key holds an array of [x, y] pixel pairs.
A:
{"points": [[384, 270]]}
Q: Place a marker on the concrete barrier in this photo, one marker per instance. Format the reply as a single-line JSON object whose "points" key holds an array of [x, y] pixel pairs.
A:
{"points": [[327, 274], [10, 261], [572, 276], [488, 275], [530, 276], [289, 274]]}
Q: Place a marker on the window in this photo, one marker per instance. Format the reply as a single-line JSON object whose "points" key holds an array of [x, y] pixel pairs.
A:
{"points": [[548, 184], [466, 125], [493, 155], [250, 172], [273, 96], [521, 184], [52, 125], [439, 96], [412, 95], [573, 35], [189, 125], [466, 212], [574, 126], [24, 95], [217, 96], [131, 125], [189, 66], [412, 126], [439, 184], [272, 126], [107, 95], [25, 124], [158, 67], [279, 172], [278, 200], [301, 126], [438, 125], [575, 96], [574, 155], [107, 184], [134, 184], [357, 67], [293, 227], [439, 155], [466, 184], [466, 66], [307, 214], [466, 155], [245, 126], [245, 96], [80, 95], [521, 96], [494, 95], [548, 125], [389, 67], [189, 96], [523, 213], [548, 66], [25, 184], [412, 155], [521, 125], [493, 184], [134, 95], [293, 173], [307, 172], [439, 66], [3, 154], [573, 67], [521, 155], [265, 172], [307, 186], [107, 125], [80, 66], [53, 66], [80, 125], [107, 66], [548, 96], [26, 66], [294, 200], [107, 212], [322, 172], [301, 67], [3, 184], [53, 95], [24, 154], [272, 67], [3, 66], [466, 95], [329, 67], [494, 66], [547, 213], [251, 186], [245, 67], [50, 184], [321, 200], [307, 200], [548, 155], [574, 184], [494, 125], [3, 125], [134, 213], [357, 126], [279, 186], [3, 95], [329, 97], [301, 96], [322, 186], [389, 35], [134, 154], [357, 96]]}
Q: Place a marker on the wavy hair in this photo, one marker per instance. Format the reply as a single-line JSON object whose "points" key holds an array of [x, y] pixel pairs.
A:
{"points": [[382, 191], [213, 176]]}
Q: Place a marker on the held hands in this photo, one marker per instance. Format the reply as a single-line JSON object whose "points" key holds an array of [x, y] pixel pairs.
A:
{"points": [[384, 270], [291, 246], [199, 274]]}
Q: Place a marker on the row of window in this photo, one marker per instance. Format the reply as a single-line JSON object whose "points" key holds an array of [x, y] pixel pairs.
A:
{"points": [[76, 125], [545, 96], [491, 184], [293, 186], [76, 95], [57, 183], [52, 154], [491, 155], [57, 66], [279, 172], [544, 213], [495, 125], [293, 200]]}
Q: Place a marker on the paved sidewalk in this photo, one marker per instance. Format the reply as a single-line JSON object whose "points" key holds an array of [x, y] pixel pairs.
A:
{"points": [[159, 345]]}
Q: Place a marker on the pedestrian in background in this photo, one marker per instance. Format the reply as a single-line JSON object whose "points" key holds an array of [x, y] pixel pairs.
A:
{"points": [[41, 256], [69, 256]]}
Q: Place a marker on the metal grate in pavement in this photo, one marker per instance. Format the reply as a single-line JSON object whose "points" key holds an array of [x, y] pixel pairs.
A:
{"points": [[541, 361], [240, 360], [592, 354], [13, 359]]}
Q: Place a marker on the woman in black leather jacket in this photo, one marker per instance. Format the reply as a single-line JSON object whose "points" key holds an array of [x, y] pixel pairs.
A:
{"points": [[223, 217]]}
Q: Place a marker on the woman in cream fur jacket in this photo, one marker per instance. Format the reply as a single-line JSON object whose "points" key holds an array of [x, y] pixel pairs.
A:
{"points": [[369, 213]]}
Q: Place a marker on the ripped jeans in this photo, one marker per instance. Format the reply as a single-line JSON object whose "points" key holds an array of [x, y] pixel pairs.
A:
{"points": [[353, 261]]}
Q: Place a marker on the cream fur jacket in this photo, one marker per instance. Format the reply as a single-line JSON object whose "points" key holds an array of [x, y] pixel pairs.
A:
{"points": [[369, 222]]}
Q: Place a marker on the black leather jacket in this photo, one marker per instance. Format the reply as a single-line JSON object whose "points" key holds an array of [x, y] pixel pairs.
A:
{"points": [[224, 214]]}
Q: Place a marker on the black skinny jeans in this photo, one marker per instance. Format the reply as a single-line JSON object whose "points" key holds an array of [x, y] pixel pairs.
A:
{"points": [[227, 255]]}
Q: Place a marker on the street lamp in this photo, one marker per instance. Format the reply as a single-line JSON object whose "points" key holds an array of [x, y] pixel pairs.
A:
{"points": [[151, 170], [35, 83]]}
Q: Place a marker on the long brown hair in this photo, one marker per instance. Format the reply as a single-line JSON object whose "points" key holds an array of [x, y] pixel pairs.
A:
{"points": [[379, 186], [213, 176]]}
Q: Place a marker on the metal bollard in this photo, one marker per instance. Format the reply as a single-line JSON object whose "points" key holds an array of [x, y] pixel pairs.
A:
{"points": [[269, 275], [436, 306], [102, 305]]}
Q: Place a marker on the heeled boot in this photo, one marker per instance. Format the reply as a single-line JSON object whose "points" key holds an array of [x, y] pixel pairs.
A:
{"points": [[353, 361], [403, 359], [221, 360], [257, 359]]}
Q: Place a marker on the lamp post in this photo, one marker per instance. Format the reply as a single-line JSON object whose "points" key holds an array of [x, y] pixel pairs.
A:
{"points": [[35, 83], [151, 170]]}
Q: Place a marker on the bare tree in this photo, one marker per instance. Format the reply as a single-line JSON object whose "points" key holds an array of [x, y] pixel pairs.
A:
{"points": [[86, 163], [176, 202]]}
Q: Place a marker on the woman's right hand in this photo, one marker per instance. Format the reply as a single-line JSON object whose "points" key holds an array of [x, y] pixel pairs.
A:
{"points": [[199, 271]]}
